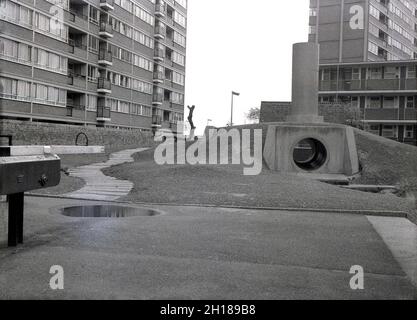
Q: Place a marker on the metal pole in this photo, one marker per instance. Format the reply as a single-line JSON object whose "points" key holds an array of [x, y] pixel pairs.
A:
{"points": [[231, 117], [16, 206]]}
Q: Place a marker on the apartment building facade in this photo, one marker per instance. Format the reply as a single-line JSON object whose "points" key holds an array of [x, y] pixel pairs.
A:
{"points": [[367, 60], [104, 63]]}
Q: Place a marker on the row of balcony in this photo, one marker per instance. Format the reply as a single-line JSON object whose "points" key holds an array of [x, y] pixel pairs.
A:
{"points": [[103, 113], [368, 85], [77, 80]]}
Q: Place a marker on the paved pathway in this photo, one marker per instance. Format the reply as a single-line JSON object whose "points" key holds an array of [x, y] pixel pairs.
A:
{"points": [[99, 186], [207, 253]]}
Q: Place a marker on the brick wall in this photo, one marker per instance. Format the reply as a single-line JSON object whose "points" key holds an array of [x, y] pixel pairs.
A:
{"points": [[36, 133], [333, 113]]}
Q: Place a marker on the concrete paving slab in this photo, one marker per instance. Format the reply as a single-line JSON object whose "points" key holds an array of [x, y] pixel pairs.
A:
{"points": [[401, 237]]}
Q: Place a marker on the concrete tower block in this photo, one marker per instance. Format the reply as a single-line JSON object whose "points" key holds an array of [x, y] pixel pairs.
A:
{"points": [[305, 81]]}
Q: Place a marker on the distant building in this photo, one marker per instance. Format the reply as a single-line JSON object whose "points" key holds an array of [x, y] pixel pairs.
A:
{"points": [[371, 68], [105, 63]]}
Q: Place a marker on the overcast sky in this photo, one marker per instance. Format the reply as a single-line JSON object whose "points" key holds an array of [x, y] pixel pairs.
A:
{"points": [[245, 46]]}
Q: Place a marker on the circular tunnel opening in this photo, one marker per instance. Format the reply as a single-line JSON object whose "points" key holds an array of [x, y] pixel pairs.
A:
{"points": [[310, 154]]}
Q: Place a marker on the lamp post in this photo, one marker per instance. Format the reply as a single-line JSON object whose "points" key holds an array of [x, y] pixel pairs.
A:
{"points": [[231, 117]]}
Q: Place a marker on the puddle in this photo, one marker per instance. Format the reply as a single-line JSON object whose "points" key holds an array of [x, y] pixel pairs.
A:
{"points": [[107, 211]]}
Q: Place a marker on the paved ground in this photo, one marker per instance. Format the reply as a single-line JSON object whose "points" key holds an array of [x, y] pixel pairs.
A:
{"points": [[205, 253], [99, 186]]}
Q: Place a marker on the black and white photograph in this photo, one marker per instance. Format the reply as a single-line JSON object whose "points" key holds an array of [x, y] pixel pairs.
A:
{"points": [[208, 156]]}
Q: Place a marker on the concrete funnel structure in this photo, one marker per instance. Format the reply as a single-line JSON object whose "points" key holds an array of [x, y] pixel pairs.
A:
{"points": [[305, 144]]}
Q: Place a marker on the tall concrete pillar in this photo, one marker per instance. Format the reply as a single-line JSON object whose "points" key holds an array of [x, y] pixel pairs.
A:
{"points": [[305, 73]]}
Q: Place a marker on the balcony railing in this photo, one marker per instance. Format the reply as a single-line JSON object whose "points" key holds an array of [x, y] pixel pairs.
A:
{"points": [[76, 44], [158, 76], [160, 31], [355, 85], [157, 98], [106, 29], [156, 120], [103, 85], [160, 10], [159, 54], [103, 113], [106, 5], [105, 57]]}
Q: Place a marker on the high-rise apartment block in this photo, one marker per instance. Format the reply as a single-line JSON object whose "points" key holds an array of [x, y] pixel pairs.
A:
{"points": [[367, 61], [105, 63]]}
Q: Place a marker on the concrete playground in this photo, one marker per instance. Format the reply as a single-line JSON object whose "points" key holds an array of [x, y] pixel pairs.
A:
{"points": [[209, 253]]}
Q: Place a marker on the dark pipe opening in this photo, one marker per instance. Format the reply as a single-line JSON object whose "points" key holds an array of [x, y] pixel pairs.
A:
{"points": [[310, 154]]}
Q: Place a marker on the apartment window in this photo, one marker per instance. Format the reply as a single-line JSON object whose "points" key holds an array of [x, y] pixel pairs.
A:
{"points": [[141, 86], [143, 15], [374, 102], [113, 104], [375, 73], [91, 103], [356, 74], [177, 98], [50, 60], [182, 3], [16, 13], [411, 72], [49, 94], [51, 26], [373, 29], [25, 16], [373, 48], [143, 39], [180, 19], [178, 58], [146, 111], [391, 73], [93, 73], [178, 78], [389, 131], [93, 44], [409, 132], [179, 39], [124, 107], [14, 89], [410, 102], [94, 15], [124, 81], [390, 102], [142, 63], [15, 51], [136, 109], [374, 12]]}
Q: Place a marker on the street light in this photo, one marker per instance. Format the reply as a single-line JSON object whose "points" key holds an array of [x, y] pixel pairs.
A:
{"points": [[233, 95]]}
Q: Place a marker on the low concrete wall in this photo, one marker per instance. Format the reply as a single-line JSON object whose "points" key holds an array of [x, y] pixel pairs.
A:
{"points": [[36, 133]]}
